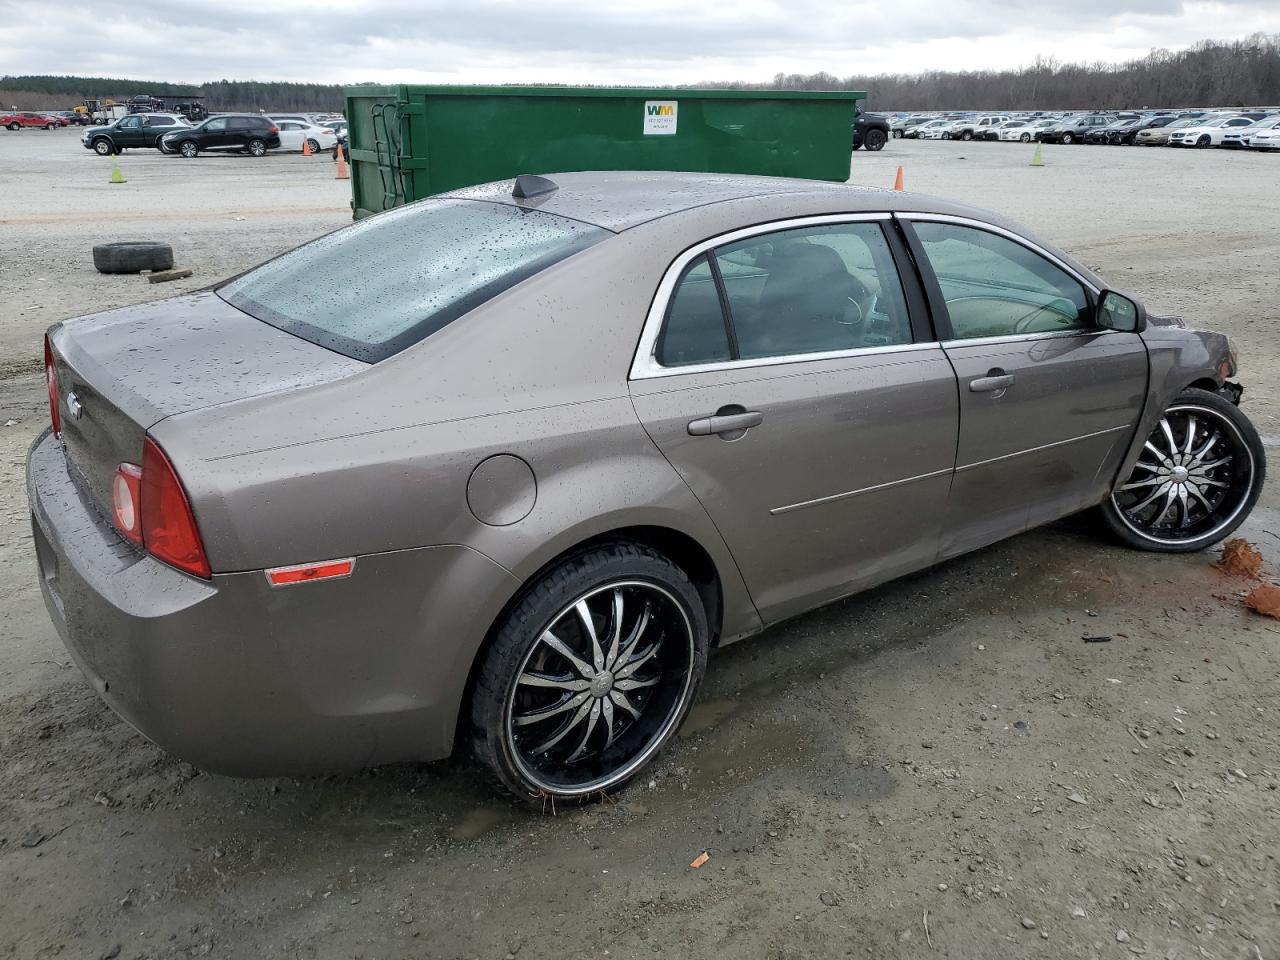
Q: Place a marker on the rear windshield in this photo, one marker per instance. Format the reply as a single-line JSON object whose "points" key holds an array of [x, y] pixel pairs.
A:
{"points": [[380, 285]]}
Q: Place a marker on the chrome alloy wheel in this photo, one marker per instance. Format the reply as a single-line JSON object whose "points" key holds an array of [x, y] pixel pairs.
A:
{"points": [[601, 687], [1194, 475]]}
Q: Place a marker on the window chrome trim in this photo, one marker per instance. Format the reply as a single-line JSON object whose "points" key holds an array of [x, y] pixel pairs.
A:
{"points": [[1026, 337], [644, 364], [1017, 238]]}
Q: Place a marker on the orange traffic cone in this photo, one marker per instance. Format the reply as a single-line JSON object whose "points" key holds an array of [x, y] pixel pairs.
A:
{"points": [[306, 147], [342, 165], [897, 182]]}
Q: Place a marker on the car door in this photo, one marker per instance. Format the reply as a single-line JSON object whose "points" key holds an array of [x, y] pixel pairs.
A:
{"points": [[786, 378], [1048, 400], [215, 134], [128, 132], [290, 134]]}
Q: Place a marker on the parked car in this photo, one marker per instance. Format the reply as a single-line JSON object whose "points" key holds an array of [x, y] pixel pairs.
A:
{"points": [[1074, 129], [1128, 135], [410, 485], [870, 130], [972, 127], [1022, 131], [76, 119], [1265, 140], [339, 127], [16, 121], [134, 130], [292, 117], [1239, 136], [1159, 136], [244, 133], [1207, 133], [293, 134], [902, 126], [1105, 134], [933, 130]]}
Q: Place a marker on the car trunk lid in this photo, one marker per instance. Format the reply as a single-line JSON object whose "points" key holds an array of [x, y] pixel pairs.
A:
{"points": [[121, 372]]}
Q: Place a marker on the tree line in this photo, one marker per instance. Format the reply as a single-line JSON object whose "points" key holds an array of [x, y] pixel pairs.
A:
{"points": [[1210, 73]]}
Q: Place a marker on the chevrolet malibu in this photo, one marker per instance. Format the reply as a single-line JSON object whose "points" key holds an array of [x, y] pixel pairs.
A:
{"points": [[496, 469]]}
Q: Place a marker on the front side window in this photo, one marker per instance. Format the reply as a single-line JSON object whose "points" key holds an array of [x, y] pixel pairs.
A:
{"points": [[216, 126], [818, 289], [994, 287], [373, 288]]}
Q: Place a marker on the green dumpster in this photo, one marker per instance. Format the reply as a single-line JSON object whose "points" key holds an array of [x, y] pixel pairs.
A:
{"points": [[409, 142]]}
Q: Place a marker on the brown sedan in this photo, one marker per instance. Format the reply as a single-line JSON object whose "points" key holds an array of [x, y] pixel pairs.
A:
{"points": [[500, 467]]}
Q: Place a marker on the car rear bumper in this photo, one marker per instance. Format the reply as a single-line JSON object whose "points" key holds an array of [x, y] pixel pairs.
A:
{"points": [[241, 678]]}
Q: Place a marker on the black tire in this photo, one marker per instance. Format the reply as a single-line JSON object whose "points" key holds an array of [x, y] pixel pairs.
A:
{"points": [[1242, 476], [314, 145], [102, 147], [1025, 138], [874, 140], [1068, 138], [673, 618], [257, 148], [1204, 141], [897, 134], [15, 126], [189, 149], [132, 256]]}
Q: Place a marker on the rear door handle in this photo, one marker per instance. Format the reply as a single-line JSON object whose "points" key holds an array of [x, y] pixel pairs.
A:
{"points": [[992, 382], [725, 423]]}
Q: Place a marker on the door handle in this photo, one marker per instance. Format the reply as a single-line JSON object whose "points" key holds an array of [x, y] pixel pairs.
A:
{"points": [[995, 380], [725, 423]]}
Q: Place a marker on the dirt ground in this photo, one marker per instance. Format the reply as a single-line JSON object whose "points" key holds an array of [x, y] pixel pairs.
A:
{"points": [[940, 767]]}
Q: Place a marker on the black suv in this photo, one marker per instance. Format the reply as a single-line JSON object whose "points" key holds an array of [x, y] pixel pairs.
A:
{"points": [[244, 133], [870, 130]]}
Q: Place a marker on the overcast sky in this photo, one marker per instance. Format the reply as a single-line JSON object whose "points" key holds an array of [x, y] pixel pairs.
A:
{"points": [[611, 41]]}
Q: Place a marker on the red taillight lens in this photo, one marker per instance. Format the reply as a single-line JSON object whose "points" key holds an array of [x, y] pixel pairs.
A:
{"points": [[274, 130], [126, 499], [51, 378], [169, 530]]}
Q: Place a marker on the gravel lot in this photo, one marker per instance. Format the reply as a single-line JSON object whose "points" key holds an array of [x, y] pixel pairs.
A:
{"points": [[939, 767]]}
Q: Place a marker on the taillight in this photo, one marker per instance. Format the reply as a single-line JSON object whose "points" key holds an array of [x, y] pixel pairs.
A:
{"points": [[169, 530], [51, 379], [152, 510], [126, 499], [273, 130]]}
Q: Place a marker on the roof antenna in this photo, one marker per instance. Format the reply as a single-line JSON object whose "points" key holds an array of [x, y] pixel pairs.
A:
{"points": [[528, 186]]}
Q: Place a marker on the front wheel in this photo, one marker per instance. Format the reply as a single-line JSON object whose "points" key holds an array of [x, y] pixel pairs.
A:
{"points": [[874, 140], [1204, 141], [257, 147], [589, 675], [897, 134], [189, 149], [1198, 476], [313, 145], [1025, 138], [102, 147], [1068, 138], [15, 126]]}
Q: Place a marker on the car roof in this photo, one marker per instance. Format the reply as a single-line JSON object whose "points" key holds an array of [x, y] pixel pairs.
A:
{"points": [[621, 200]]}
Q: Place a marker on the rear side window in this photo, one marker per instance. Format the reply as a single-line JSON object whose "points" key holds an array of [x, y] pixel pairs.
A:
{"points": [[811, 290], [378, 286], [157, 121]]}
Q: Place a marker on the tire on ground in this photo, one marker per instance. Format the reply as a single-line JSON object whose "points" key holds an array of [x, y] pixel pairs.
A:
{"points": [[1109, 514], [132, 256], [520, 628]]}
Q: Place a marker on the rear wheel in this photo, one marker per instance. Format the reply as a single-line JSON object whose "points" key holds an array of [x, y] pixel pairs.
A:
{"points": [[897, 134], [257, 147], [1197, 478], [313, 145], [967, 135], [874, 140], [15, 126], [589, 675]]}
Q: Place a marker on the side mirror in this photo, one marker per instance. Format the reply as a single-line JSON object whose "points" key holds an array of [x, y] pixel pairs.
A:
{"points": [[1118, 312]]}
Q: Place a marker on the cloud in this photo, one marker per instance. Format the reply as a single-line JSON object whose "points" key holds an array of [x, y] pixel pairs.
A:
{"points": [[628, 41]]}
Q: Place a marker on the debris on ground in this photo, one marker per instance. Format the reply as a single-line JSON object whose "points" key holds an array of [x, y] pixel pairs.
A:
{"points": [[1264, 600], [1240, 558], [700, 859]]}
